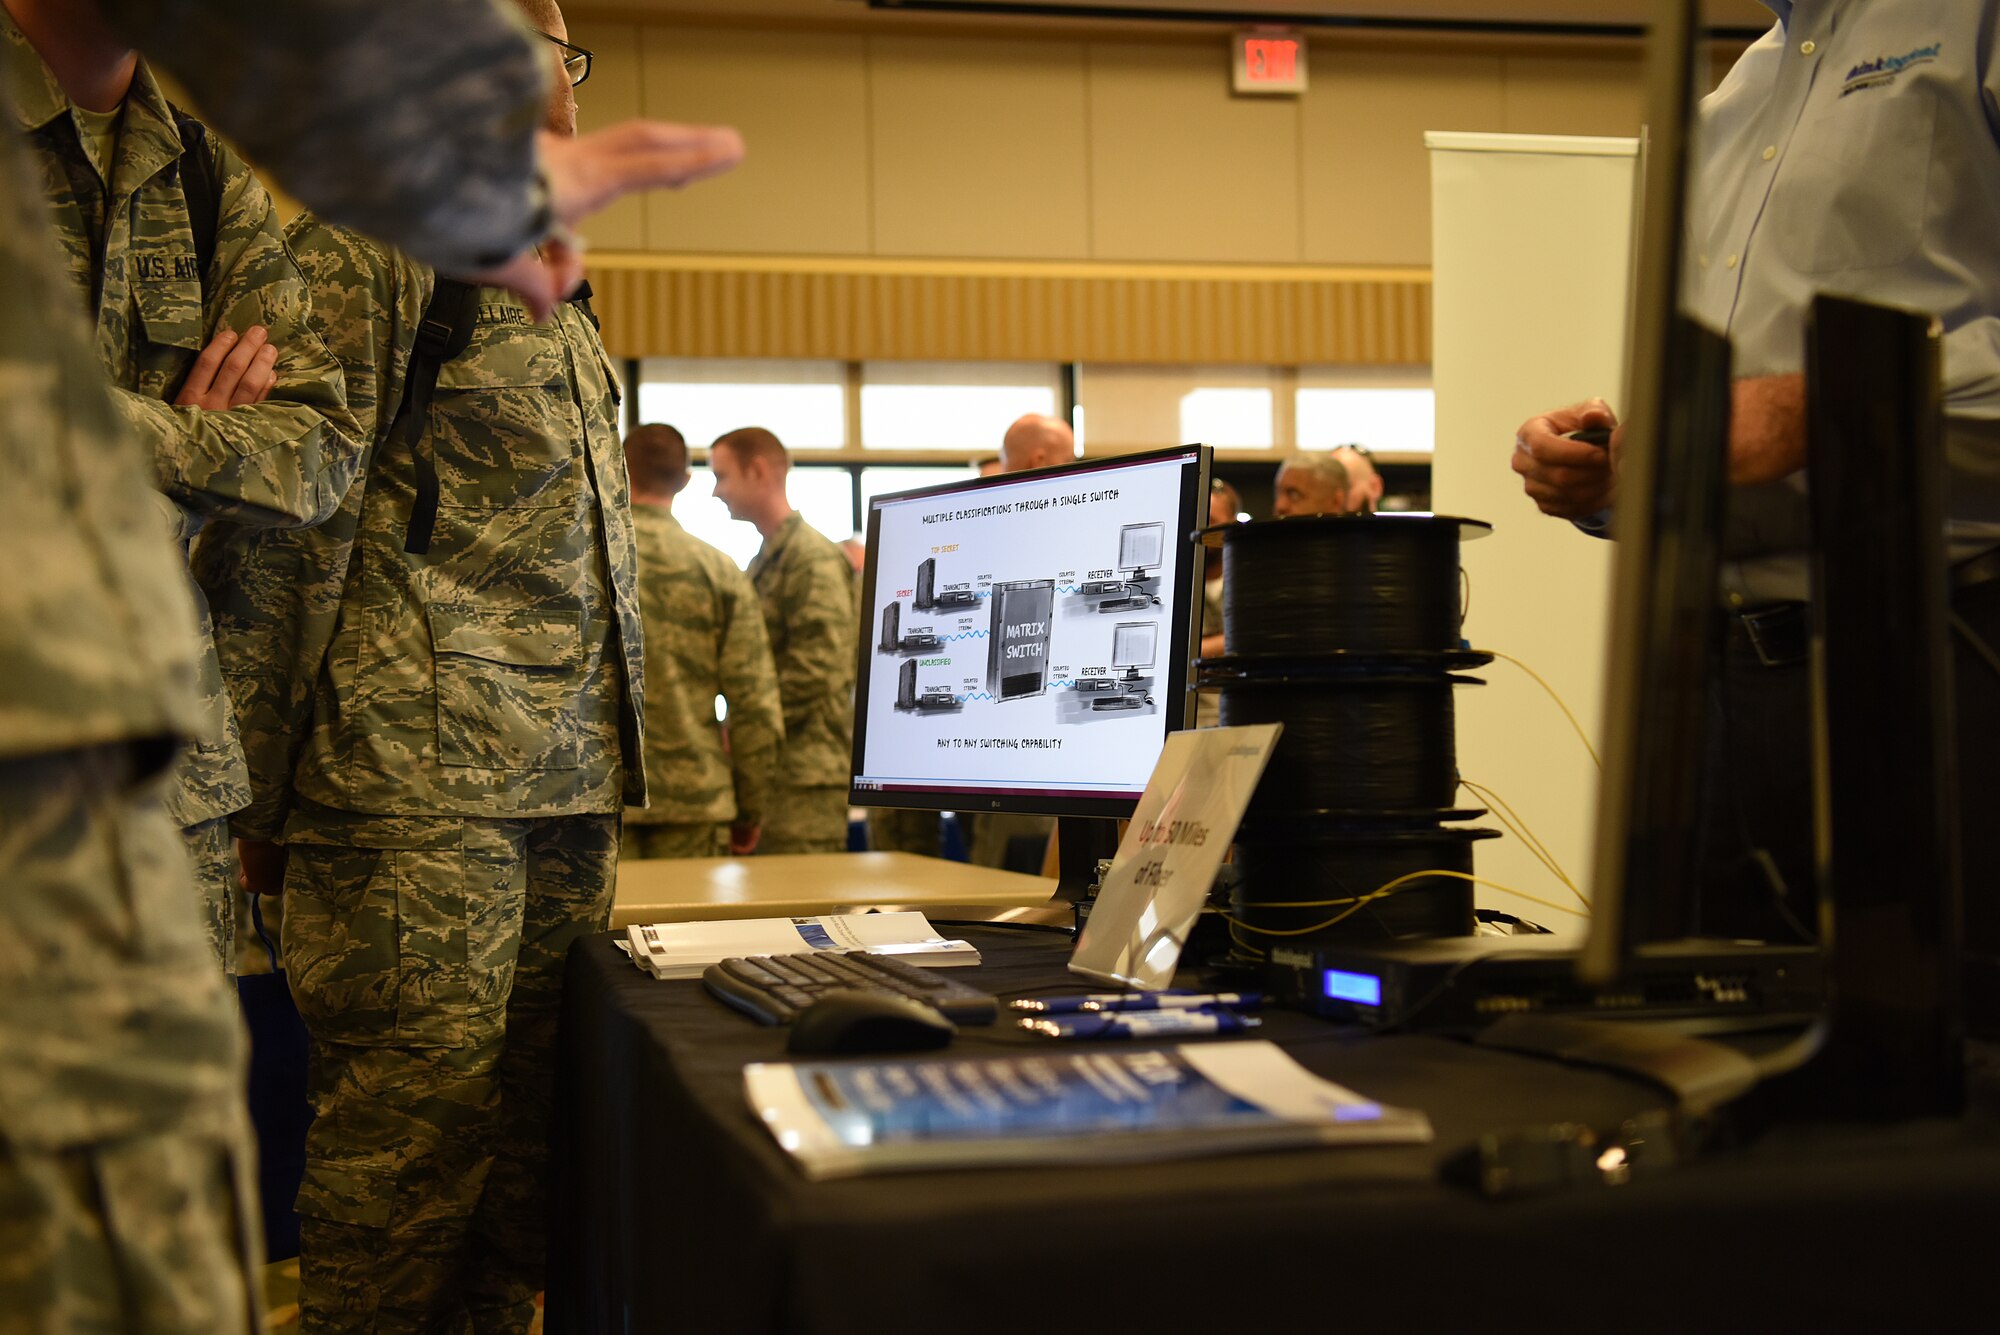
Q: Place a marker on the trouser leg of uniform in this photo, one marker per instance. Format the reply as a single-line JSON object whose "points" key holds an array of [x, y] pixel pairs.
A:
{"points": [[805, 820], [702, 839], [572, 868], [400, 940], [894, 831], [127, 1196], [212, 861]]}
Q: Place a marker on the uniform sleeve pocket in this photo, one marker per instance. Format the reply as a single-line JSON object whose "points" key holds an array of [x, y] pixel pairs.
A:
{"points": [[505, 680]]}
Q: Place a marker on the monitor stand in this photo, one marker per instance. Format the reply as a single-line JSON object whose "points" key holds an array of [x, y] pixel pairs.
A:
{"points": [[1081, 842]]}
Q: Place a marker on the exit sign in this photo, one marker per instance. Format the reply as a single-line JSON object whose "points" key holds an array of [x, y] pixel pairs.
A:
{"points": [[1270, 60]]}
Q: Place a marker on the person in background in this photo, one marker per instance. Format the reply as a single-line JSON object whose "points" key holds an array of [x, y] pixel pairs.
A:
{"points": [[806, 588], [193, 301], [124, 1159], [1852, 149], [705, 638], [448, 797], [1364, 480], [989, 467], [1312, 483], [1225, 506], [1035, 441]]}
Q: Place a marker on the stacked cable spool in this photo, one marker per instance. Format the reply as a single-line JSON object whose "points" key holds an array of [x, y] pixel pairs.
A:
{"points": [[1346, 629]]}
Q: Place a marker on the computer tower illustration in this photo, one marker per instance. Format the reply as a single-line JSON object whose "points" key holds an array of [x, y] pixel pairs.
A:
{"points": [[892, 628], [1017, 662], [906, 685], [926, 584]]}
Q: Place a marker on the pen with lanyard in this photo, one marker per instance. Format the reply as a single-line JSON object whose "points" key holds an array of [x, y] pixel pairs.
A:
{"points": [[1138, 1001], [1142, 1024]]}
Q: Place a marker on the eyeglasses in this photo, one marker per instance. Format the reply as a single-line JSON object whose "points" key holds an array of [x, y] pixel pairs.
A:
{"points": [[576, 61]]}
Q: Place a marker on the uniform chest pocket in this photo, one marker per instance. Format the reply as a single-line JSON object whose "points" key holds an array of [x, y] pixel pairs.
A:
{"points": [[170, 314], [504, 426], [507, 683], [1855, 185]]}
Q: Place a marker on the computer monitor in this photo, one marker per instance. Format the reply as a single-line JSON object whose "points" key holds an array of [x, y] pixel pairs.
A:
{"points": [[1141, 547], [1134, 644], [1017, 634], [1671, 476]]}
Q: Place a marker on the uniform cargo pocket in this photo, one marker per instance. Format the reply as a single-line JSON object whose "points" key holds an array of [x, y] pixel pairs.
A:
{"points": [[506, 687], [341, 941], [347, 1194]]}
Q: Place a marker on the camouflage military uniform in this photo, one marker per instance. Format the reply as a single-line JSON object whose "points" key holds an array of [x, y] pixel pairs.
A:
{"points": [[704, 637], [123, 1154], [134, 265], [446, 740], [806, 587], [124, 1198]]}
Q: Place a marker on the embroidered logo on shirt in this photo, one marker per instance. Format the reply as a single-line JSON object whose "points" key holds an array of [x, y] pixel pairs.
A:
{"points": [[1884, 70], [164, 268]]}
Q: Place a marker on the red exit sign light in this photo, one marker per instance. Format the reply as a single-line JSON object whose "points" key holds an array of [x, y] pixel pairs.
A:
{"points": [[1270, 61]]}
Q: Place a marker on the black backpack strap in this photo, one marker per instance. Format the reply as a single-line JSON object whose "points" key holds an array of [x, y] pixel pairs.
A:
{"points": [[442, 334], [203, 191], [445, 331], [581, 300]]}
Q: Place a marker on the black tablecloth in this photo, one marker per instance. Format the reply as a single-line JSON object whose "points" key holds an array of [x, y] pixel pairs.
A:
{"points": [[675, 1211]]}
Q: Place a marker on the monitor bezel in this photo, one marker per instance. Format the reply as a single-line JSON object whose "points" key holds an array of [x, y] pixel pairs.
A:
{"points": [[1176, 702]]}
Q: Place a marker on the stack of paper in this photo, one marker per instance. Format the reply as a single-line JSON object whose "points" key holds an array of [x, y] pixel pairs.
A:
{"points": [[837, 1119], [684, 949]]}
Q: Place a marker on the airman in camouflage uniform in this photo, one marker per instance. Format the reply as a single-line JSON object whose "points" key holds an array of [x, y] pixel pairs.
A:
{"points": [[807, 590], [448, 739], [125, 1199], [283, 454], [704, 637]]}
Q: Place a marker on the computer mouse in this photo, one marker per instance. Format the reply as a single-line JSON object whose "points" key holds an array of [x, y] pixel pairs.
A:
{"points": [[848, 1019]]}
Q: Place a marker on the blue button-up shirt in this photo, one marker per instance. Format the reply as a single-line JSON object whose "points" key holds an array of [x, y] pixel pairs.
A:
{"points": [[1855, 149]]}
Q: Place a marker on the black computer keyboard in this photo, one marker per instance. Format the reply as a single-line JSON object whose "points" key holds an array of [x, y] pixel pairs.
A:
{"points": [[773, 989]]}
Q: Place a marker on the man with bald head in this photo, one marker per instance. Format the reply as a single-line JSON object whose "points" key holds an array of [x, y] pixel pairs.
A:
{"points": [[1035, 441], [1364, 480], [1312, 484]]}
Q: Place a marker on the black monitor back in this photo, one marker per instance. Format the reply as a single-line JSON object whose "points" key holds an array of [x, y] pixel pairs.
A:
{"points": [[1884, 780]]}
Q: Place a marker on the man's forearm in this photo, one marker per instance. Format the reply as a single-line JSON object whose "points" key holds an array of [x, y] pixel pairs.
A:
{"points": [[1767, 429]]}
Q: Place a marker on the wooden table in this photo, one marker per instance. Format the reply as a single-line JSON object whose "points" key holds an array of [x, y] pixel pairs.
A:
{"points": [[804, 884]]}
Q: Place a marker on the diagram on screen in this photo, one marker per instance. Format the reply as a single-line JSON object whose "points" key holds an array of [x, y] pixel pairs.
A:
{"points": [[1133, 584], [939, 699]]}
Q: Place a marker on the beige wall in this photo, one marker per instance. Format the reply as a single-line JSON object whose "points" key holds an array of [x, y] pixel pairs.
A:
{"points": [[1042, 149]]}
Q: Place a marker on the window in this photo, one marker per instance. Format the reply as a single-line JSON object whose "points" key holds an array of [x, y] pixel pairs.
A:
{"points": [[951, 405], [804, 403], [1147, 407], [1388, 409], [1226, 417], [823, 493]]}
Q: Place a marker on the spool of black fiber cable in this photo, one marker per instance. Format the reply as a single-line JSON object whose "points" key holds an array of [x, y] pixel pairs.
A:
{"points": [[1311, 881], [1383, 583], [1359, 735]]}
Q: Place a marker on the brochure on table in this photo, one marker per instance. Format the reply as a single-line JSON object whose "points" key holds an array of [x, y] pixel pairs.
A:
{"points": [[684, 949], [838, 1119], [1148, 900]]}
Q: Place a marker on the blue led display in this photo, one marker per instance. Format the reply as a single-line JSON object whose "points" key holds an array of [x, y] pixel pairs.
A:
{"points": [[1364, 989]]}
